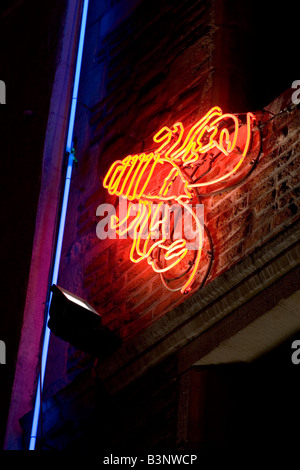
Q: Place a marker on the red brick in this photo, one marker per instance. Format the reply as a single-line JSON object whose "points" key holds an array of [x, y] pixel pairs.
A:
{"points": [[229, 258], [83, 218], [88, 281], [260, 189], [94, 262], [166, 304], [284, 217], [139, 296], [89, 225], [265, 202], [132, 295], [256, 237], [133, 328], [96, 198]]}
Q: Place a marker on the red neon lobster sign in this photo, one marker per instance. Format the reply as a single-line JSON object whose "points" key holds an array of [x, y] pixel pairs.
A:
{"points": [[178, 153]]}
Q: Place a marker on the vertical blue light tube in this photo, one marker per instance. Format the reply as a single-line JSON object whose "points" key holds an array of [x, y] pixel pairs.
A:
{"points": [[63, 213]]}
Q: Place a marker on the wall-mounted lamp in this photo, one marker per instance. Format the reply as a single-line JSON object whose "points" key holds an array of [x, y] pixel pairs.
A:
{"points": [[74, 320]]}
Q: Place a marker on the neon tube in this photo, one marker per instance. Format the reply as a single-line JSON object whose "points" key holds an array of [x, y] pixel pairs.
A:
{"points": [[37, 406], [132, 178]]}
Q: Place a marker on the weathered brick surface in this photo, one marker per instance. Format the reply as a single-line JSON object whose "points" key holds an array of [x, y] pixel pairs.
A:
{"points": [[156, 68], [239, 221], [150, 63]]}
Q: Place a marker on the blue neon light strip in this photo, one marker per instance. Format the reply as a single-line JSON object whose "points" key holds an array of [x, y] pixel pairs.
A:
{"points": [[37, 406]]}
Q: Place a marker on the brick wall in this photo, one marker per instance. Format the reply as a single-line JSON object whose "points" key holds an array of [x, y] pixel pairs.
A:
{"points": [[156, 67], [268, 201]]}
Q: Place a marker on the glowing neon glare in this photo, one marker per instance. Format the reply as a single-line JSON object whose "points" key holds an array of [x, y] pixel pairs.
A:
{"points": [[125, 178], [250, 119], [133, 178]]}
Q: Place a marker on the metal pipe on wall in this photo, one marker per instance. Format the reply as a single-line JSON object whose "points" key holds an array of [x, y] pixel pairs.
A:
{"points": [[46, 339]]}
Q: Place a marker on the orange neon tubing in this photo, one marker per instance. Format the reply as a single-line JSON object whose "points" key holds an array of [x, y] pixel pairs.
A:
{"points": [[137, 236], [196, 128], [250, 116], [137, 166], [187, 286], [140, 221], [180, 255], [189, 282], [168, 136], [131, 177], [114, 220]]}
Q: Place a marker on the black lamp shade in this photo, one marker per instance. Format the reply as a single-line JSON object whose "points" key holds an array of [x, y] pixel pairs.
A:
{"points": [[74, 320]]}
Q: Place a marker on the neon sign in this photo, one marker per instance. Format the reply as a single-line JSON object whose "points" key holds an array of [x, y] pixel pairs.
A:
{"points": [[168, 175]]}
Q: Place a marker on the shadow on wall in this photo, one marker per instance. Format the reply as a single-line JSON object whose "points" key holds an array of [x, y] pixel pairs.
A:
{"points": [[270, 49], [247, 406]]}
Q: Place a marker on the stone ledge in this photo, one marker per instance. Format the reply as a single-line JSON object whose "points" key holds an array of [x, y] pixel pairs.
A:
{"points": [[203, 310], [262, 335]]}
